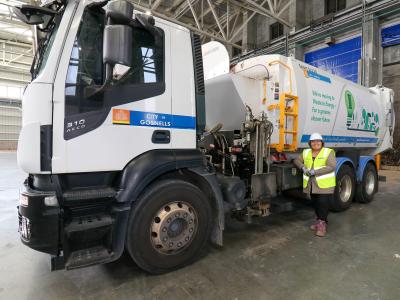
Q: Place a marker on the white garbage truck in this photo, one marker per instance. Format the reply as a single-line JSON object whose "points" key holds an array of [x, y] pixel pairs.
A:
{"points": [[128, 147]]}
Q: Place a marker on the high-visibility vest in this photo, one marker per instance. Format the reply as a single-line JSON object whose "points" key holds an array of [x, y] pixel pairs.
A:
{"points": [[323, 181]]}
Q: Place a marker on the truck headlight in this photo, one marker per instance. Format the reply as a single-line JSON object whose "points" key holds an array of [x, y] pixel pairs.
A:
{"points": [[23, 200], [51, 201]]}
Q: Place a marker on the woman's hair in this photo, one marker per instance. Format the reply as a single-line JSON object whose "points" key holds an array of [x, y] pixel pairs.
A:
{"points": [[323, 144]]}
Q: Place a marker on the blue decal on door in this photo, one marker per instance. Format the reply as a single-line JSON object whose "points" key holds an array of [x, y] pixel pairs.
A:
{"points": [[152, 119]]}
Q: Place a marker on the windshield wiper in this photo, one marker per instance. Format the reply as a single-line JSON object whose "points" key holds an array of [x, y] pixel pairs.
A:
{"points": [[38, 58]]}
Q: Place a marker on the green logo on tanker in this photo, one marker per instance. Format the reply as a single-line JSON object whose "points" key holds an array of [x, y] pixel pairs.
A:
{"points": [[358, 117]]}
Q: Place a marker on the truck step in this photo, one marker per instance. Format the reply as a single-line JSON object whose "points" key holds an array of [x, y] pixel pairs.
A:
{"points": [[87, 257], [85, 223], [89, 194]]}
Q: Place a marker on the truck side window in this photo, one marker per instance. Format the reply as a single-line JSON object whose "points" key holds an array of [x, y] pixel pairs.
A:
{"points": [[148, 60], [144, 79]]}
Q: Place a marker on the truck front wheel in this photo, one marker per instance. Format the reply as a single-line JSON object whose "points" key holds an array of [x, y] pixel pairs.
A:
{"points": [[344, 190], [169, 226]]}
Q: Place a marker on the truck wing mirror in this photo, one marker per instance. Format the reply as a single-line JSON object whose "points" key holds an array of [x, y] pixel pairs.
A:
{"points": [[33, 15], [119, 11], [117, 45], [117, 49]]}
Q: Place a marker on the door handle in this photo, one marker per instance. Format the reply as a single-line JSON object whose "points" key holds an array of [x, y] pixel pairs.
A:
{"points": [[161, 137]]}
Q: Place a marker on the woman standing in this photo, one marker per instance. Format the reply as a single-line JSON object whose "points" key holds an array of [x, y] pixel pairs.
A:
{"points": [[318, 165]]}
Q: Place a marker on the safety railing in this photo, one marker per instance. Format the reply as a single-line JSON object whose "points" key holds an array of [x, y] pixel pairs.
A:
{"points": [[288, 107]]}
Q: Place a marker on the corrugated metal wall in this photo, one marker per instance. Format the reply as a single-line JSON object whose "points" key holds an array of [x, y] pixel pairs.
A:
{"points": [[10, 125], [340, 59]]}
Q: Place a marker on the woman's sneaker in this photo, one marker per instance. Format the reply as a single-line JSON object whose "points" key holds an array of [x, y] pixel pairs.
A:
{"points": [[313, 227], [320, 228]]}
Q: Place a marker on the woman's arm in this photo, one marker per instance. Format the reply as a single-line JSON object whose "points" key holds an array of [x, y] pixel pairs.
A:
{"points": [[330, 165], [299, 162]]}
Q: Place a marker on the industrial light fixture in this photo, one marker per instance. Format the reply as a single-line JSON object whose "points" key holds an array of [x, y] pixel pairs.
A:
{"points": [[329, 40]]}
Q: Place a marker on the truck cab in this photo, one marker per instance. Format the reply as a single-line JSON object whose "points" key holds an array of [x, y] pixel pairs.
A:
{"points": [[69, 85], [116, 97]]}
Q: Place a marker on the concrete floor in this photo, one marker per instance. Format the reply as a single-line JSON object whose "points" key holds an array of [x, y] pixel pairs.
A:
{"points": [[278, 259]]}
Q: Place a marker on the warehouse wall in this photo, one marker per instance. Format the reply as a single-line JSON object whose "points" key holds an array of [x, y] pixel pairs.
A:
{"points": [[391, 79], [301, 13], [15, 61], [391, 68], [10, 115], [10, 124]]}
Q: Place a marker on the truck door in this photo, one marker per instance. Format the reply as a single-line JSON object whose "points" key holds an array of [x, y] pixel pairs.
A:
{"points": [[102, 128], [183, 90]]}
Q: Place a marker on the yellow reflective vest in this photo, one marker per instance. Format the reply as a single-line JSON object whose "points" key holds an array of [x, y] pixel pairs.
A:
{"points": [[323, 181]]}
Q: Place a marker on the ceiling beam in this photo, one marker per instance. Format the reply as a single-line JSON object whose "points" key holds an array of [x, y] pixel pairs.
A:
{"points": [[241, 27], [203, 32], [285, 7], [271, 7], [194, 14], [216, 19], [255, 7], [156, 4]]}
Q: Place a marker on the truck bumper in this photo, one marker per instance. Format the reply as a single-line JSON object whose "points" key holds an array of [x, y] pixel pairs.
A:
{"points": [[39, 223], [74, 236]]}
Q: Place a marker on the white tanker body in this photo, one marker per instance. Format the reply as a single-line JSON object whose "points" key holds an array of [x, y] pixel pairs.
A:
{"points": [[348, 115], [269, 105]]}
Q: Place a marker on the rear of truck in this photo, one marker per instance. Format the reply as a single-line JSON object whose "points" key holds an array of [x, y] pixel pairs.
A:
{"points": [[297, 100]]}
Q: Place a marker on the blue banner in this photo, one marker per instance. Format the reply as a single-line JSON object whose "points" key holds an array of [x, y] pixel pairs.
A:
{"points": [[341, 139], [340, 59], [391, 36]]}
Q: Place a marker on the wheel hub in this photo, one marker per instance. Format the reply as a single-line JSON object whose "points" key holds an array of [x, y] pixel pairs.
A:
{"points": [[173, 228], [345, 188], [370, 183]]}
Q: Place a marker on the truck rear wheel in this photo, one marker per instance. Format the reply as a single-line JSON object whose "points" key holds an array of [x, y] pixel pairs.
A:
{"points": [[344, 190], [169, 226], [369, 184]]}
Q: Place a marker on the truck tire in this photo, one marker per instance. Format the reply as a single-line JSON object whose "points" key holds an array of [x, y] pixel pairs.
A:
{"points": [[369, 184], [344, 190], [169, 226]]}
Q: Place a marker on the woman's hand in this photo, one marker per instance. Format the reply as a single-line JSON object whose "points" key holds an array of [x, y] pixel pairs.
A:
{"points": [[310, 173]]}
